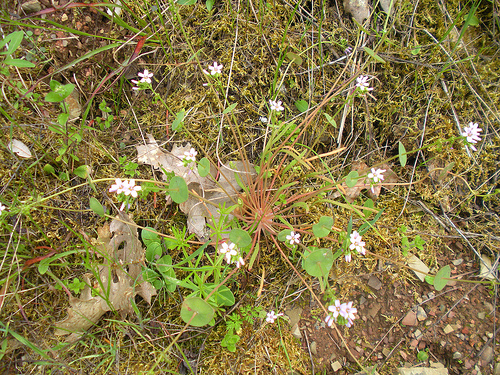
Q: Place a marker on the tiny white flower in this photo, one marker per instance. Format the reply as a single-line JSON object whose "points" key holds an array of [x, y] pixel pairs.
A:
{"points": [[336, 308], [357, 243], [350, 311], [271, 316], [362, 84], [145, 77], [472, 133], [225, 247], [131, 188], [348, 257], [329, 320], [293, 238], [190, 156], [240, 262], [214, 69], [2, 208], [263, 119], [276, 105], [118, 187], [376, 176]]}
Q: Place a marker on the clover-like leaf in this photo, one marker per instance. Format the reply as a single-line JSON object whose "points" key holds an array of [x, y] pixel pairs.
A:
{"points": [[323, 227], [318, 262], [196, 311]]}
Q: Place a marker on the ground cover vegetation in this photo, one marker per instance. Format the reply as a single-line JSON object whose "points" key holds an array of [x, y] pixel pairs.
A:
{"points": [[178, 176]]}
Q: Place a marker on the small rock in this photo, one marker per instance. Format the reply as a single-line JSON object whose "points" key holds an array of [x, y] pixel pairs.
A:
{"points": [[374, 309], [362, 300], [374, 282], [436, 365], [294, 315], [448, 329], [336, 366], [410, 319], [64, 17], [487, 354], [422, 345], [414, 343], [457, 355], [313, 348], [481, 315], [497, 369], [418, 267], [417, 334], [296, 331], [31, 6], [431, 295], [489, 307], [421, 314], [457, 262]]}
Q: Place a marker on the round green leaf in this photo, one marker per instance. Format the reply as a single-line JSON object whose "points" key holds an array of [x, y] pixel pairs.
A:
{"points": [[318, 263], [441, 278], [222, 296], [82, 171], [282, 235], [96, 206], [197, 309], [149, 235], [204, 167], [301, 105], [153, 251], [240, 237], [368, 204], [178, 190], [323, 227], [352, 179]]}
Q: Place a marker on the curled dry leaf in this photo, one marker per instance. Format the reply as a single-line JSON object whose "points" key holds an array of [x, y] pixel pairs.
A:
{"points": [[19, 148], [359, 9], [120, 279], [207, 195]]}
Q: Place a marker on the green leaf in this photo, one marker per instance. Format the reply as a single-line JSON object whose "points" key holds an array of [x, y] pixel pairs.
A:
{"points": [[441, 278], [18, 63], [282, 235], [373, 54], [186, 2], [222, 296], [230, 108], [352, 179], [14, 40], [209, 4], [445, 171], [178, 190], [415, 51], [153, 251], [59, 92], [82, 171], [204, 167], [301, 105], [178, 122], [330, 119], [293, 57], [368, 204], [402, 154], [318, 262], [96, 206], [47, 168], [323, 227], [149, 235], [197, 309], [240, 237]]}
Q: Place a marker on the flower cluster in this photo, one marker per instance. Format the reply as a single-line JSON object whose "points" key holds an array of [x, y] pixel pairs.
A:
{"points": [[272, 316], [127, 187], [362, 84], [230, 253], [276, 105], [144, 82], [214, 69], [472, 133], [341, 313], [356, 243], [293, 238], [375, 176]]}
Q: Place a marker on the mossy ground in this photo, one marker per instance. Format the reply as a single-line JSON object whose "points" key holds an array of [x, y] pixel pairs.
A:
{"points": [[435, 72]]}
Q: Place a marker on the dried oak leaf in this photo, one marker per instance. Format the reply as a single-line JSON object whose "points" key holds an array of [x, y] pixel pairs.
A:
{"points": [[207, 195], [120, 279]]}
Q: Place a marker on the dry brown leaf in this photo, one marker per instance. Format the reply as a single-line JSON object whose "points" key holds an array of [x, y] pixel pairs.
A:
{"points": [[359, 9], [120, 279], [207, 195]]}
